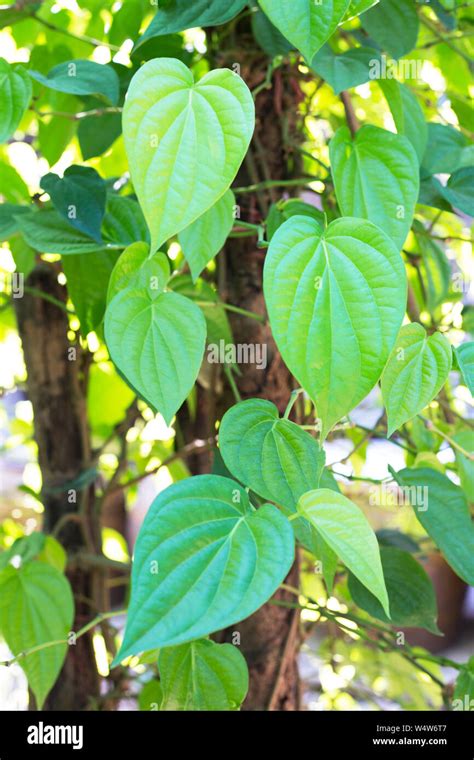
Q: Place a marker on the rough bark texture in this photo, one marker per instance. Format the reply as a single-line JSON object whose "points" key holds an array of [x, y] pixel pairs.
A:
{"points": [[55, 391], [269, 639]]}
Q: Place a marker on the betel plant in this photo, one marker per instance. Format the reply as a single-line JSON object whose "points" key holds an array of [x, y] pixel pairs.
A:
{"points": [[357, 292]]}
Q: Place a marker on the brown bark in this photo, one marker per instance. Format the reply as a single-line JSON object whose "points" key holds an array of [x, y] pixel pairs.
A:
{"points": [[55, 391], [269, 639]]}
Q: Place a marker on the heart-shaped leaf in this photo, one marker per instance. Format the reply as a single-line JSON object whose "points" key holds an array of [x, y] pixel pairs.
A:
{"points": [[79, 77], [407, 114], [15, 95], [36, 607], [204, 238], [202, 675], [345, 528], [345, 70], [272, 456], [305, 23], [417, 369], [204, 560], [410, 592], [314, 284], [157, 342], [181, 15], [465, 358], [376, 177], [136, 268], [179, 170]]}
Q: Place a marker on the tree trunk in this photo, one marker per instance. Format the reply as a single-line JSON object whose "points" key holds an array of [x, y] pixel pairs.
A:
{"points": [[56, 391], [269, 639]]}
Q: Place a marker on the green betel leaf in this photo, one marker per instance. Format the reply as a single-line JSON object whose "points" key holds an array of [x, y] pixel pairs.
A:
{"points": [[272, 456], [15, 95], [465, 359], [306, 24], [134, 268], [407, 114], [376, 177], [434, 268], [185, 141], [202, 292], [80, 77], [202, 675], [345, 70], [269, 38], [79, 197], [357, 7], [157, 341], [441, 508], [444, 151], [417, 369], [394, 25], [204, 238], [410, 592], [181, 15], [348, 533], [36, 606], [48, 232], [8, 221], [204, 559], [314, 285], [87, 281]]}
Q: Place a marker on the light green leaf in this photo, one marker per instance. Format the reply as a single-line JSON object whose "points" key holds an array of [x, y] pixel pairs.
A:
{"points": [[156, 339], [441, 508], [48, 232], [416, 370], [345, 528], [434, 268], [463, 696], [181, 15], [79, 196], [179, 170], [25, 595], [204, 559], [306, 24], [202, 675], [314, 285], [410, 592], [270, 455], [108, 398], [204, 238], [80, 77], [285, 209], [135, 268], [394, 25], [150, 696], [407, 114], [345, 70], [87, 280], [15, 95], [465, 359], [376, 177], [8, 219]]}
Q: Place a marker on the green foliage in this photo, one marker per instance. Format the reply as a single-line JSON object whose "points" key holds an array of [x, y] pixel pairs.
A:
{"points": [[376, 178], [204, 559], [202, 675], [442, 509], [309, 290], [410, 592], [307, 25], [15, 95], [416, 370], [354, 196], [348, 533], [180, 172], [25, 594]]}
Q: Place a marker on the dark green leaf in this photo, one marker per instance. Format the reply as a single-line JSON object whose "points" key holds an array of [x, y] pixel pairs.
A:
{"points": [[393, 24], [80, 77], [79, 196]]}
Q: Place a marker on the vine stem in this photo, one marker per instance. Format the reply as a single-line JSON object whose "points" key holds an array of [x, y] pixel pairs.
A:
{"points": [[268, 183], [48, 644], [431, 426], [293, 396], [81, 37]]}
